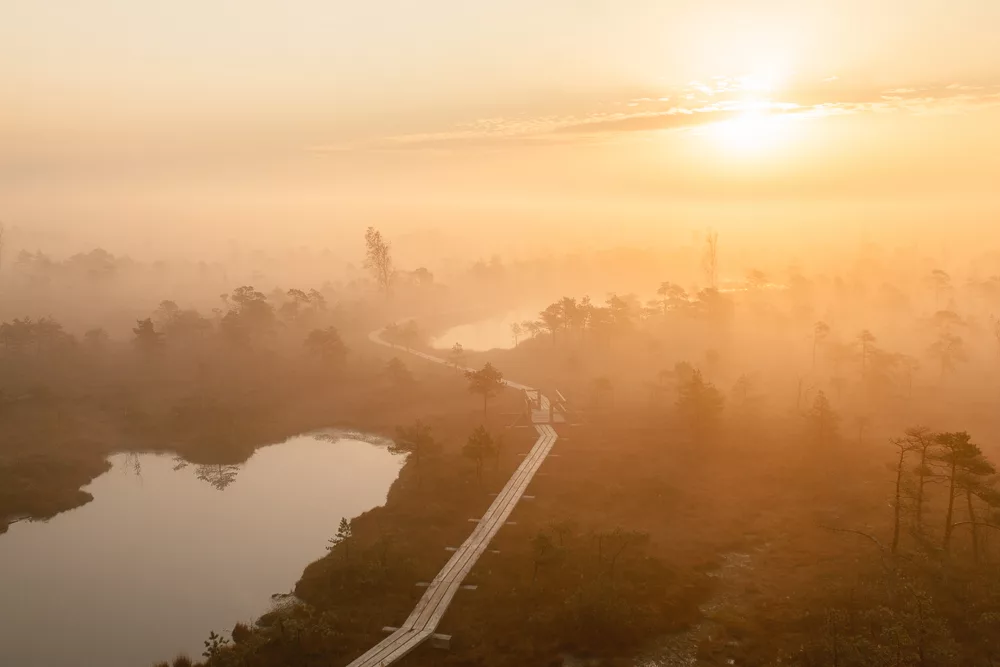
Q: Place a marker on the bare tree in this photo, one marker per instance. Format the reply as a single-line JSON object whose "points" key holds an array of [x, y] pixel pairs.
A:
{"points": [[378, 259], [904, 446], [457, 356], [516, 331], [710, 259]]}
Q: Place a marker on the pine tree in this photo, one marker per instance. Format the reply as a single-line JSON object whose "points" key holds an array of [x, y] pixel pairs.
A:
{"points": [[823, 420], [343, 536], [699, 404]]}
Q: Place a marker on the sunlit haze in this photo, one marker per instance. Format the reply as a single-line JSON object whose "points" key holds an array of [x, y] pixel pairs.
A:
{"points": [[180, 127], [499, 333]]}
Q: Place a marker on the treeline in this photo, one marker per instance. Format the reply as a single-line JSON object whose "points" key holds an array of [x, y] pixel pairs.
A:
{"points": [[578, 319], [246, 319], [211, 387], [923, 601]]}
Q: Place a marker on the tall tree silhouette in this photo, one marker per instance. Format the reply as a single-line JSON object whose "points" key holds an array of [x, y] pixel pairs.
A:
{"points": [[326, 346], [904, 446], [343, 538], [378, 260], [552, 319], [479, 447], [531, 327], [977, 483], [948, 349], [516, 331], [456, 356], [941, 283], [673, 297], [487, 382], [710, 259], [147, 339], [821, 331], [699, 405], [866, 348], [822, 420], [960, 458], [570, 314], [250, 316], [923, 443]]}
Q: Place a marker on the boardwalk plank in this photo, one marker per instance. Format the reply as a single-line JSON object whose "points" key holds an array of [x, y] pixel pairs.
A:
{"points": [[434, 603]]}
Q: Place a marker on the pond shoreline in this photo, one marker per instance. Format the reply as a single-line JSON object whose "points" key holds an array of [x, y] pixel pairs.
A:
{"points": [[168, 528]]}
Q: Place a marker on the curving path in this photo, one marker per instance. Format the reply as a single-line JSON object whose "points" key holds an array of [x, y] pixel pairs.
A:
{"points": [[426, 616]]}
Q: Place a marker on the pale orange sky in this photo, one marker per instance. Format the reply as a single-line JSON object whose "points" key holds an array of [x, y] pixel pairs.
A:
{"points": [[169, 126]]}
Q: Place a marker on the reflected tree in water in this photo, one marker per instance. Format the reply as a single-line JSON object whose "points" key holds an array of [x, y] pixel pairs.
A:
{"points": [[218, 475], [132, 464]]}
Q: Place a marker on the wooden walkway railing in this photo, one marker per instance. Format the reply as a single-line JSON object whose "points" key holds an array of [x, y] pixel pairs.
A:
{"points": [[426, 616]]}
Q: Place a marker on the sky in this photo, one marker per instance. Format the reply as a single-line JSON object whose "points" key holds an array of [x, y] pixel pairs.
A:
{"points": [[192, 125]]}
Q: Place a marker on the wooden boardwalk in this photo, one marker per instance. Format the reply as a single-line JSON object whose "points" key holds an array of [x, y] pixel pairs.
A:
{"points": [[424, 620]]}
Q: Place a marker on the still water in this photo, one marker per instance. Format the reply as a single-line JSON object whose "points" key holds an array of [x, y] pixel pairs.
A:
{"points": [[168, 551], [487, 334]]}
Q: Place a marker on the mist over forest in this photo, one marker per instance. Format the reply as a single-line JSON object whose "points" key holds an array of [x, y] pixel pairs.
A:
{"points": [[655, 333], [763, 440]]}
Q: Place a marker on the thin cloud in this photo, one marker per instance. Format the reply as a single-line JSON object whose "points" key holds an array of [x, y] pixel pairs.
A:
{"points": [[696, 104]]}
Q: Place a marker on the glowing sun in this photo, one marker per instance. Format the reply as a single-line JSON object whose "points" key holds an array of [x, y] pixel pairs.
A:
{"points": [[751, 132]]}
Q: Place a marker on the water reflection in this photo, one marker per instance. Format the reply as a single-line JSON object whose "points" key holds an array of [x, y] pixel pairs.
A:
{"points": [[131, 463], [487, 334], [159, 557], [219, 476]]}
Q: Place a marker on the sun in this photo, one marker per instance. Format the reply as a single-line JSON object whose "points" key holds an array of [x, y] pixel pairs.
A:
{"points": [[750, 132]]}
